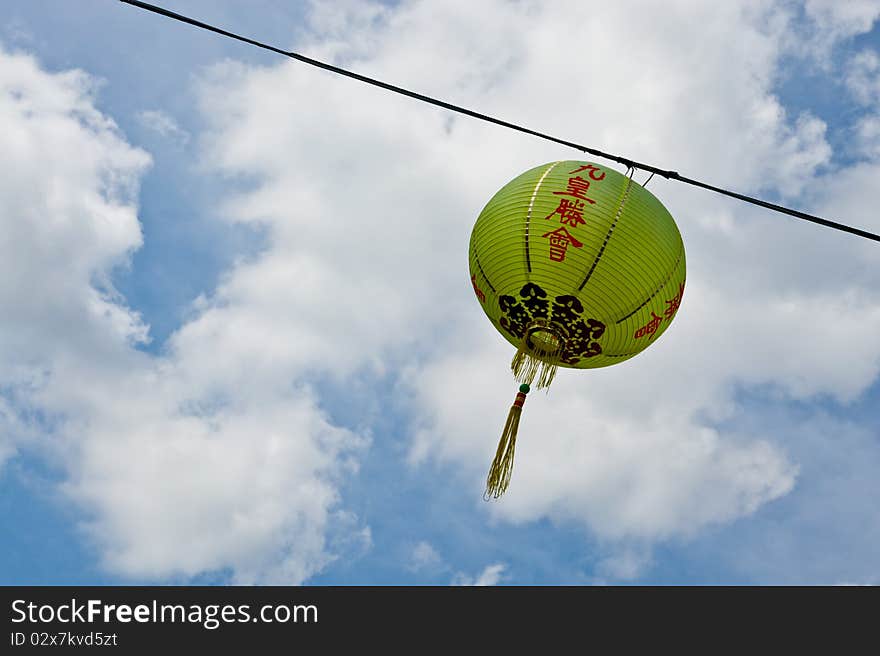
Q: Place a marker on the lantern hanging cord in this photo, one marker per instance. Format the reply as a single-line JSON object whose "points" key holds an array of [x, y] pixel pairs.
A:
{"points": [[669, 175]]}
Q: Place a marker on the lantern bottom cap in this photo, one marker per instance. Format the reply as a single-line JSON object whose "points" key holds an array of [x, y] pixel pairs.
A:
{"points": [[543, 341]]}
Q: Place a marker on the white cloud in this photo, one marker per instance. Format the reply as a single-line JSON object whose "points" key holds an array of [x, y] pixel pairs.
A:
{"points": [[863, 77], [370, 199], [840, 20], [625, 564], [424, 557], [491, 575], [618, 449], [868, 136], [179, 491], [828, 530], [863, 81], [828, 24], [177, 469], [163, 125], [67, 220]]}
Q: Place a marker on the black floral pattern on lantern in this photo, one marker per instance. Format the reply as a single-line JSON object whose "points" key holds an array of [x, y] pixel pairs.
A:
{"points": [[564, 314], [535, 301]]}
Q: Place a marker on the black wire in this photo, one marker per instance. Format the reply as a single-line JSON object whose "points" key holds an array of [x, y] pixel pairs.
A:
{"points": [[670, 175]]}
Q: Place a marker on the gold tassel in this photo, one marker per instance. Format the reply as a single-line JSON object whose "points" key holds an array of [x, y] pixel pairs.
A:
{"points": [[502, 466], [526, 367]]}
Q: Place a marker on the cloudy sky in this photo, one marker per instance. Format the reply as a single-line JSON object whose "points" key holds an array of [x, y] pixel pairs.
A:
{"points": [[238, 341]]}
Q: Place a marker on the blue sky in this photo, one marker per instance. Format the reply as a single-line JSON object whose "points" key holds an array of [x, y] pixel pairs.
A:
{"points": [[319, 395]]}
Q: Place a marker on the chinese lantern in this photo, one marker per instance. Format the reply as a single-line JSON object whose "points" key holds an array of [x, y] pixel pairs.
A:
{"points": [[577, 266]]}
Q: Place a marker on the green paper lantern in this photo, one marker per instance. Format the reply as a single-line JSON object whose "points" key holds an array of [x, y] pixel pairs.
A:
{"points": [[577, 266]]}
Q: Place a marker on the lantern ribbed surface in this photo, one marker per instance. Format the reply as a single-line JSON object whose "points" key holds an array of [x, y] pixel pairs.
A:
{"points": [[577, 265]]}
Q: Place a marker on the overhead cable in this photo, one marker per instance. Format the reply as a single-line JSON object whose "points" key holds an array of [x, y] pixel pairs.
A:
{"points": [[630, 163]]}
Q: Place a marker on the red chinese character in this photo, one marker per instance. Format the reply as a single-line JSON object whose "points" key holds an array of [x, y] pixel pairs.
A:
{"points": [[674, 303], [577, 187], [477, 290], [570, 212], [649, 328], [559, 242], [592, 170]]}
